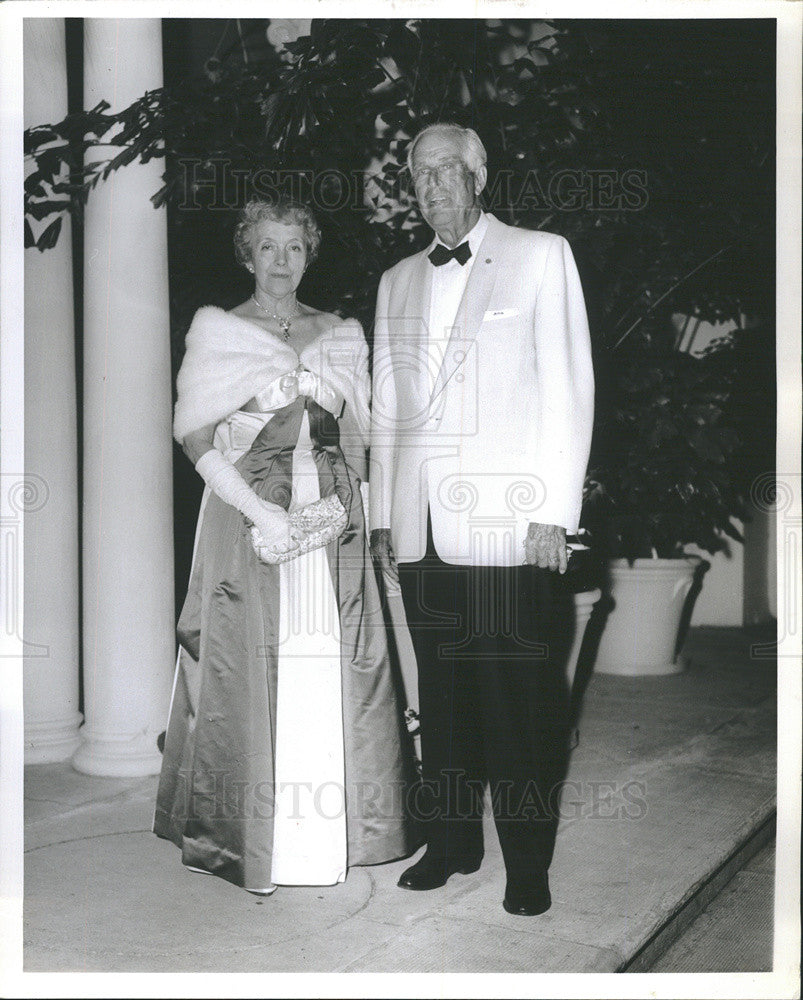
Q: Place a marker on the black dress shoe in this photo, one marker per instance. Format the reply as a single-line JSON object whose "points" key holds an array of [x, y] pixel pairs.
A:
{"points": [[528, 901], [432, 872]]}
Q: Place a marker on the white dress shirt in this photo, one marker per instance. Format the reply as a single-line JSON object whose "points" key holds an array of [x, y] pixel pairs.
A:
{"points": [[448, 284]]}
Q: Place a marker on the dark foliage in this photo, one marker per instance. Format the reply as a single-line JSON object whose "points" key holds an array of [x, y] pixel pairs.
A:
{"points": [[682, 442], [648, 144]]}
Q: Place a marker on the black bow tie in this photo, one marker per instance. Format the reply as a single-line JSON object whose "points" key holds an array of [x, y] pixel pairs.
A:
{"points": [[441, 254]]}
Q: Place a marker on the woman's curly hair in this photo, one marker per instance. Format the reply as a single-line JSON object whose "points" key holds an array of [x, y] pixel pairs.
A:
{"points": [[281, 210]]}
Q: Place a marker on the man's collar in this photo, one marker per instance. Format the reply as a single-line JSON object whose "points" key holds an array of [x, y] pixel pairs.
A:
{"points": [[474, 236]]}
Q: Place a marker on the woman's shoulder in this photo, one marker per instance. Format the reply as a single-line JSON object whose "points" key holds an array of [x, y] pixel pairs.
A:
{"points": [[241, 310], [214, 316], [331, 325], [346, 327], [207, 321], [321, 319], [231, 331]]}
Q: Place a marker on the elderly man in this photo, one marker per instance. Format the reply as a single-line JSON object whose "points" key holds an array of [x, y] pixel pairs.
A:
{"points": [[481, 427]]}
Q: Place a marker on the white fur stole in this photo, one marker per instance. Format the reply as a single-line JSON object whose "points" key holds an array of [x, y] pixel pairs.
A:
{"points": [[229, 360]]}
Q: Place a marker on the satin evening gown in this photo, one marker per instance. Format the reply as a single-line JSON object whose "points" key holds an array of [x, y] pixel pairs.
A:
{"points": [[286, 758]]}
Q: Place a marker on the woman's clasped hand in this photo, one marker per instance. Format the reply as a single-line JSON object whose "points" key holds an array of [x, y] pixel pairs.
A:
{"points": [[275, 528]]}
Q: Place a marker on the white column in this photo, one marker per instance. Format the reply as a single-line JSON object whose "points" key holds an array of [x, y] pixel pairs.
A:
{"points": [[50, 677], [127, 542]]}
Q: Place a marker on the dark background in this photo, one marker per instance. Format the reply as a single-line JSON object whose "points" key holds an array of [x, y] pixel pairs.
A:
{"points": [[689, 103]]}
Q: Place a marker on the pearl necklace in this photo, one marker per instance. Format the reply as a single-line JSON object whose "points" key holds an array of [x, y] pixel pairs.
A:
{"points": [[283, 321]]}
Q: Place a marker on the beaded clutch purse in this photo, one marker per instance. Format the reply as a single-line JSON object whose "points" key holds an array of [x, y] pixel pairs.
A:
{"points": [[320, 522]]}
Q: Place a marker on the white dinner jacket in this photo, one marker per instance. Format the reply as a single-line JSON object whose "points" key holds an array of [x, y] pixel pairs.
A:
{"points": [[503, 438]]}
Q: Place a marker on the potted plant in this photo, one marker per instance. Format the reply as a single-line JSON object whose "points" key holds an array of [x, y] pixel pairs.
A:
{"points": [[669, 468]]}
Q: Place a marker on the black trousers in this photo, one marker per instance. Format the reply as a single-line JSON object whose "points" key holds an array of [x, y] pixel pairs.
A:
{"points": [[493, 706]]}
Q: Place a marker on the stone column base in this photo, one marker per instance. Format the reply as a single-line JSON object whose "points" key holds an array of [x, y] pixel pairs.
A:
{"points": [[52, 740], [118, 756]]}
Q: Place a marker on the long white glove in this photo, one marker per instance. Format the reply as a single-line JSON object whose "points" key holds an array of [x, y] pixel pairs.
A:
{"points": [[226, 482]]}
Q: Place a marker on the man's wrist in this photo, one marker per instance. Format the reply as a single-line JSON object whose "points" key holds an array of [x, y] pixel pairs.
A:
{"points": [[534, 527]]}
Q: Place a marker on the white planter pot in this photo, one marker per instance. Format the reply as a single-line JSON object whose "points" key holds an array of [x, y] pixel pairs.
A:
{"points": [[641, 630]]}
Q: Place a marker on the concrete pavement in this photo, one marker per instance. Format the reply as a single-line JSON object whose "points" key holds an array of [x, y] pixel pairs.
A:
{"points": [[671, 775]]}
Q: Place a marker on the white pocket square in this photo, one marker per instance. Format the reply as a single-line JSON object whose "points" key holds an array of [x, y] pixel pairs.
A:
{"points": [[499, 314]]}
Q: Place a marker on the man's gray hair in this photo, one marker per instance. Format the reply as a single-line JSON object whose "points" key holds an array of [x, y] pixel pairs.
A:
{"points": [[473, 151]]}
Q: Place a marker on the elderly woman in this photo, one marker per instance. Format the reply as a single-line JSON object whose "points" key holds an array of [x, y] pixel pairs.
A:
{"points": [[285, 752]]}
